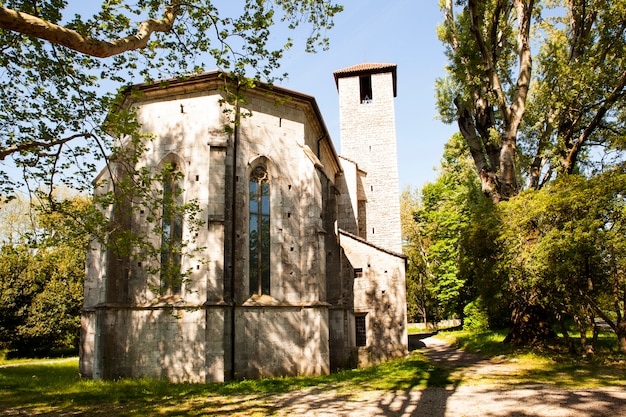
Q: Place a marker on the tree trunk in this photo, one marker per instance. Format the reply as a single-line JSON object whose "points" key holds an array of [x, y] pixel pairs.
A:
{"points": [[530, 325], [508, 177], [620, 331], [571, 348], [587, 347]]}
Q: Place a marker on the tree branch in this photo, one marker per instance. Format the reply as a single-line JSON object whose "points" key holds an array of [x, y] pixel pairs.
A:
{"points": [[618, 91], [453, 39], [490, 66], [29, 146], [29, 25], [518, 104]]}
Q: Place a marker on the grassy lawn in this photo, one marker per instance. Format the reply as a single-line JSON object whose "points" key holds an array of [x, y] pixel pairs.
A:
{"points": [[548, 363], [56, 389], [53, 387]]}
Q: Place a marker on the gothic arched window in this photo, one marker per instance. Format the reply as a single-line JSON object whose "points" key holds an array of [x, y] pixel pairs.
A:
{"points": [[172, 226], [259, 254]]}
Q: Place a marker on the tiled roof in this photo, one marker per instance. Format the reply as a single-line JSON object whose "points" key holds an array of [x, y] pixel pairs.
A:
{"points": [[367, 68]]}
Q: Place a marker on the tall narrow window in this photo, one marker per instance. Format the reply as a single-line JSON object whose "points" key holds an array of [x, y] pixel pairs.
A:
{"points": [[365, 85], [361, 330], [259, 232], [172, 225]]}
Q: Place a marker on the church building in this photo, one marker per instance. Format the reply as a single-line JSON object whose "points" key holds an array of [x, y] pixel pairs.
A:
{"points": [[301, 271]]}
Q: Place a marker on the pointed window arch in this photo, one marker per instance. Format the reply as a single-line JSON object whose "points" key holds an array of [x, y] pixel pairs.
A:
{"points": [[172, 230], [259, 236]]}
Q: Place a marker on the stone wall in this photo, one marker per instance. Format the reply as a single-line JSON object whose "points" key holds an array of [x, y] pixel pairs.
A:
{"points": [[380, 296]]}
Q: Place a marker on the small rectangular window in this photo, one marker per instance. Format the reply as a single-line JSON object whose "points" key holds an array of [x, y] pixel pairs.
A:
{"points": [[361, 333], [365, 84], [358, 272]]}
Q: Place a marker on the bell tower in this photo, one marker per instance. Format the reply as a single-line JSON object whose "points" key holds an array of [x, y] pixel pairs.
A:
{"points": [[368, 138]]}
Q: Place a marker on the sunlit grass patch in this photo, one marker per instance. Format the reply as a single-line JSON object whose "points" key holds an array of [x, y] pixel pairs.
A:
{"points": [[548, 362]]}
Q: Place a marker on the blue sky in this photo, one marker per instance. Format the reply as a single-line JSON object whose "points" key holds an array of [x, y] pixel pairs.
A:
{"points": [[402, 32]]}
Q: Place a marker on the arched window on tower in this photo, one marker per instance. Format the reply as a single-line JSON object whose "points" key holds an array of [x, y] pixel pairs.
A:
{"points": [[259, 220], [172, 226]]}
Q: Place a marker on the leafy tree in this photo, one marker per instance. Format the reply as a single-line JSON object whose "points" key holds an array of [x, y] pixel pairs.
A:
{"points": [[531, 113], [56, 125], [484, 92], [481, 261], [530, 110], [577, 111], [41, 285], [421, 305], [565, 250], [443, 220]]}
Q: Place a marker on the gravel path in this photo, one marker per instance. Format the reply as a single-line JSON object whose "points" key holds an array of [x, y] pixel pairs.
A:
{"points": [[470, 399]]}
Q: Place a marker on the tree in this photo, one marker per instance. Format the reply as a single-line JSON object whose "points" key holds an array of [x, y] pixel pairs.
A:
{"points": [[52, 109], [41, 284], [57, 126], [483, 92], [532, 115], [421, 303], [565, 251], [576, 110], [527, 116], [443, 220]]}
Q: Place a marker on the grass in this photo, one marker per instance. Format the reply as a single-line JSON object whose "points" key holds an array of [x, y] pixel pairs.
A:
{"points": [[548, 363], [53, 387], [56, 389]]}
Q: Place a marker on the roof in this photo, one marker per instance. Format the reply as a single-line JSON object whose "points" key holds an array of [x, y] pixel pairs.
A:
{"points": [[368, 68], [198, 82], [370, 244]]}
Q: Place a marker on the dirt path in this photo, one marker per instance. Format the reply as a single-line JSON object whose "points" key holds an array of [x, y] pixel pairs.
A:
{"points": [[472, 398]]}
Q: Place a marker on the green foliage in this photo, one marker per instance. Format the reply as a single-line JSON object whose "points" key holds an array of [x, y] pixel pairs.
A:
{"points": [[475, 316], [570, 96], [41, 287], [564, 248], [421, 302], [527, 77], [572, 117], [443, 220]]}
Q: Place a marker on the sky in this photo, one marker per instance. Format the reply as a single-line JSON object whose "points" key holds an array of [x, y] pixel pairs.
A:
{"points": [[401, 32]]}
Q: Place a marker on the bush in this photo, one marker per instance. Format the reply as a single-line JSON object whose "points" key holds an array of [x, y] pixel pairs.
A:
{"points": [[41, 294], [475, 316]]}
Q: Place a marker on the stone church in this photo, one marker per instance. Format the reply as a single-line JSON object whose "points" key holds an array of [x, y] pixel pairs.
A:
{"points": [[302, 270]]}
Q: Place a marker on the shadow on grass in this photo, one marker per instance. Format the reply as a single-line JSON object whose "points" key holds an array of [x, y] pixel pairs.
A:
{"points": [[56, 389], [415, 385]]}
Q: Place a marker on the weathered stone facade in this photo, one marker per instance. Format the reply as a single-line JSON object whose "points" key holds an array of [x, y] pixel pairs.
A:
{"points": [[320, 277]]}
